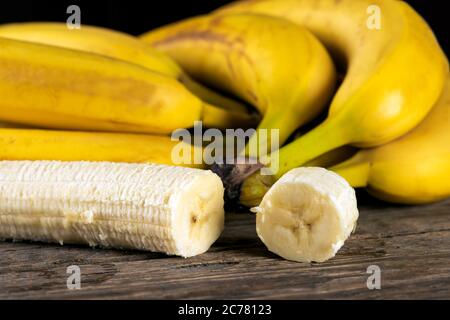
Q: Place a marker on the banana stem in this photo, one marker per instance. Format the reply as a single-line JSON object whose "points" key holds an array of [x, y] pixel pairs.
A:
{"points": [[260, 144], [356, 171], [328, 136], [212, 97]]}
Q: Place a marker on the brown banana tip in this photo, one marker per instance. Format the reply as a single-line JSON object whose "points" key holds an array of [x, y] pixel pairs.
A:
{"points": [[233, 175]]}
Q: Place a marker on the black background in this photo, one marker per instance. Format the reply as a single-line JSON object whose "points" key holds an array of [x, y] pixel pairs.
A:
{"points": [[138, 16]]}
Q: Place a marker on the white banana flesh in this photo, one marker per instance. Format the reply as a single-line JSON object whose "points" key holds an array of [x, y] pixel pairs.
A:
{"points": [[175, 210], [307, 215]]}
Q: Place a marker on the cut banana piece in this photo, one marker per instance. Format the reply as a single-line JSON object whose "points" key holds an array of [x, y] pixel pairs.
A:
{"points": [[307, 215], [160, 208]]}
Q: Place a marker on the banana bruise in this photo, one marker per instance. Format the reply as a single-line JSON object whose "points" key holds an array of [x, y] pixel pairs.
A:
{"points": [[124, 47], [307, 215], [275, 65], [414, 169]]}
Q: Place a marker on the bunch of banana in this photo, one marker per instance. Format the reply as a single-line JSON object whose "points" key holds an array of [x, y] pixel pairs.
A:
{"points": [[273, 64], [54, 77], [395, 74]]}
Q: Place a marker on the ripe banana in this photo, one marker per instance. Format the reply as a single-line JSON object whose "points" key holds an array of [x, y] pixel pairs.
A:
{"points": [[139, 206], [394, 74], [116, 45], [414, 169], [56, 87], [276, 66], [307, 215], [35, 144], [61, 88]]}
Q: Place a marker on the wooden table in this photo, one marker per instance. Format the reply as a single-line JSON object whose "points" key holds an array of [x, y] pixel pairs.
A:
{"points": [[411, 245]]}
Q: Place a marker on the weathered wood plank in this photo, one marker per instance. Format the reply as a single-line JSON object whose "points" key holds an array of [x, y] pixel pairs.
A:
{"points": [[411, 245]]}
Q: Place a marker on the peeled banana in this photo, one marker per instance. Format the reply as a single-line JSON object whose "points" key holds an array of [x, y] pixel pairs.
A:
{"points": [[414, 169], [37, 144], [394, 76], [276, 66], [307, 215], [174, 210], [116, 45]]}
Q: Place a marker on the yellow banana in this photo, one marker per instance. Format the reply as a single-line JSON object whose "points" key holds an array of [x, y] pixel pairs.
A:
{"points": [[116, 45], [37, 144], [62, 88], [413, 169], [395, 73], [278, 67]]}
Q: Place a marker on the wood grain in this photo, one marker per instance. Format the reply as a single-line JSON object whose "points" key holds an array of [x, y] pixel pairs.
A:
{"points": [[411, 245]]}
